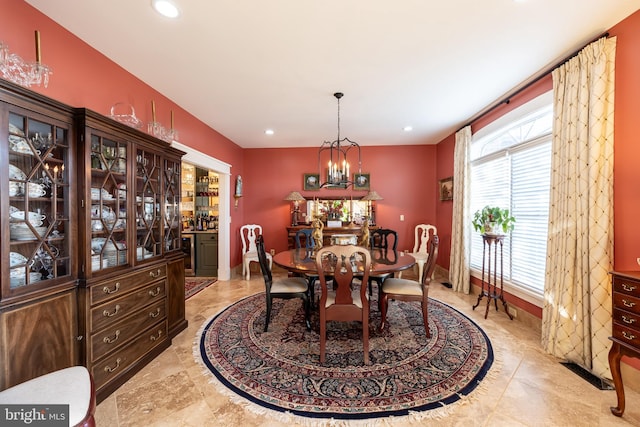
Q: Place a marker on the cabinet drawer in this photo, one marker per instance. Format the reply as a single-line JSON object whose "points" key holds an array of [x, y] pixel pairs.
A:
{"points": [[626, 319], [626, 302], [626, 286], [117, 363], [628, 335], [115, 336], [116, 310], [117, 287]]}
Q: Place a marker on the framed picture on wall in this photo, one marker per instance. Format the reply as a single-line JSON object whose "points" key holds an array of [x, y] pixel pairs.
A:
{"points": [[446, 188], [361, 181], [311, 181]]}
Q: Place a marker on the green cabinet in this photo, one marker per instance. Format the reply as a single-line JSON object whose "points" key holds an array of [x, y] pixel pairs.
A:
{"points": [[206, 254]]}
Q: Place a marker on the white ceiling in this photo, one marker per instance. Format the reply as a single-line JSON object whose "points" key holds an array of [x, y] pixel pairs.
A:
{"points": [[244, 66]]}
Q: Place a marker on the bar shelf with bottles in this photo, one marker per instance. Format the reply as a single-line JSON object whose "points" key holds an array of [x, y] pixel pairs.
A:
{"points": [[200, 198], [206, 201]]}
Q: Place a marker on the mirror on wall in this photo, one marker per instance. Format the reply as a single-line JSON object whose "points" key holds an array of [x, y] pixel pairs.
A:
{"points": [[346, 210]]}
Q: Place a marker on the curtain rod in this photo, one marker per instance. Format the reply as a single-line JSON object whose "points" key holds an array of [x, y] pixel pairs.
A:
{"points": [[535, 79]]}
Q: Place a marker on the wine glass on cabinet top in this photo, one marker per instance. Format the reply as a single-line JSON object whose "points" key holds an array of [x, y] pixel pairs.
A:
{"points": [[38, 193], [108, 195]]}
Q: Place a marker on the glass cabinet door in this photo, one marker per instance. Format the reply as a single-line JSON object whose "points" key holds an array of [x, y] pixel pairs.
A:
{"points": [[172, 221], [147, 195], [108, 196], [39, 223]]}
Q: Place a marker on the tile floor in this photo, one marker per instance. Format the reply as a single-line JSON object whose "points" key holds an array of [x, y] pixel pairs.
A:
{"points": [[528, 387]]}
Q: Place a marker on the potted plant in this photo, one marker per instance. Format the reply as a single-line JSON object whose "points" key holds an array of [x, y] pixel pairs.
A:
{"points": [[493, 220]]}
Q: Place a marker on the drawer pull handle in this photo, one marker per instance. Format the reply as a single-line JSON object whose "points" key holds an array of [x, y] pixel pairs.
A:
{"points": [[628, 288], [155, 293], [107, 314], [108, 369], [156, 274], [109, 340], [628, 336], [155, 313], [625, 319], [628, 304], [116, 288], [157, 336]]}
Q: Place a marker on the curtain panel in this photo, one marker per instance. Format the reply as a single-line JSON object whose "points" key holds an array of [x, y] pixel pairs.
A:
{"points": [[577, 310], [461, 221]]}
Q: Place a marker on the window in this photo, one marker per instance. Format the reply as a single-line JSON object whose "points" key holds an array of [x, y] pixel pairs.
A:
{"points": [[510, 168]]}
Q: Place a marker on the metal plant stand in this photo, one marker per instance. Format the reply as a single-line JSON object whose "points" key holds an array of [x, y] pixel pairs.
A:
{"points": [[490, 276]]}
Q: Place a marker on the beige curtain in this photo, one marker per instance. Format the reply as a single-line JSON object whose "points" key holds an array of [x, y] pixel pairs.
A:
{"points": [[461, 222], [576, 320]]}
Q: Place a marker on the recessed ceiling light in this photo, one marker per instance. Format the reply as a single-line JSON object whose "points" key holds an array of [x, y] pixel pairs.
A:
{"points": [[166, 8], [407, 128], [269, 132]]}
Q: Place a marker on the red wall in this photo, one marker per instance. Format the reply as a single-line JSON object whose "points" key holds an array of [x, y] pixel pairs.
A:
{"points": [[626, 181], [405, 176]]}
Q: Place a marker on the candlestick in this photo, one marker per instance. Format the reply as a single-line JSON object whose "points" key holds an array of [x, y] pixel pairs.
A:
{"points": [[38, 55], [153, 111]]}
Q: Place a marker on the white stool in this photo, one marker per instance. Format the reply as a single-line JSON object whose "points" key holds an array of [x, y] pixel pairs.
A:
{"points": [[71, 386]]}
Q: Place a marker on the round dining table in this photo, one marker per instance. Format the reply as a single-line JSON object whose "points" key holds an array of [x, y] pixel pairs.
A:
{"points": [[382, 261]]}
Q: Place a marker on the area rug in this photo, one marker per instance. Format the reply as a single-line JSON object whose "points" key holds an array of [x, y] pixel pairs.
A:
{"points": [[193, 285], [279, 372]]}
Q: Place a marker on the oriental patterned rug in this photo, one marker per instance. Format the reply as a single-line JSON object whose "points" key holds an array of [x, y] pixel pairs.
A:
{"points": [[280, 372], [193, 285]]}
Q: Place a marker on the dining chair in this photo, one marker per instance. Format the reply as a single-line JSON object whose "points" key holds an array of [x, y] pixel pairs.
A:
{"points": [[420, 245], [411, 290], [248, 235], [305, 233], [386, 240], [284, 288], [71, 386], [344, 301]]}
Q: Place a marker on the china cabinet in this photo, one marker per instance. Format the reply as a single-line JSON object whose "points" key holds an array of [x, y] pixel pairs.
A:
{"points": [[131, 287], [92, 269], [38, 328]]}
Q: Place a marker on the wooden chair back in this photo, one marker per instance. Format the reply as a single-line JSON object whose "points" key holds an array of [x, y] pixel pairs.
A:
{"points": [[430, 265], [306, 233], [264, 263], [384, 238], [422, 235], [248, 235], [344, 301]]}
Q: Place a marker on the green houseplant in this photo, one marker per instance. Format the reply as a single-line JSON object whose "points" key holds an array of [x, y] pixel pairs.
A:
{"points": [[492, 220]]}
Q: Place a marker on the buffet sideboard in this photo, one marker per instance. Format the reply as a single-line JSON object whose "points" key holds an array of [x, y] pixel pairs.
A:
{"points": [[327, 232]]}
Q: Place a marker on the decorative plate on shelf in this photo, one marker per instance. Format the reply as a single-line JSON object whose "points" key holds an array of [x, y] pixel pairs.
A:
{"points": [[16, 258], [15, 130], [16, 173]]}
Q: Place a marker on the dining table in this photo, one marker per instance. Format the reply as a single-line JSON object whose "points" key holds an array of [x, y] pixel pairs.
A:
{"points": [[303, 261]]}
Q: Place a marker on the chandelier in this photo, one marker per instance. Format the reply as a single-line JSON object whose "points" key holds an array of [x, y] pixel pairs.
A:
{"points": [[338, 171]]}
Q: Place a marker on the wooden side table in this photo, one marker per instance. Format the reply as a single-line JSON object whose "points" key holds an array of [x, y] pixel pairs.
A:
{"points": [[625, 328], [490, 276]]}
